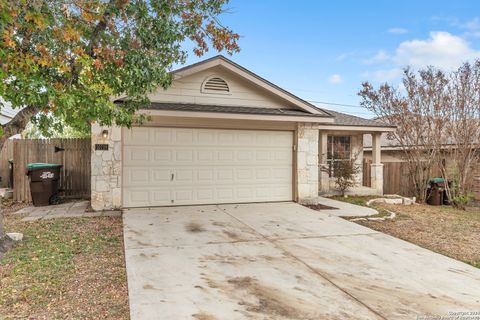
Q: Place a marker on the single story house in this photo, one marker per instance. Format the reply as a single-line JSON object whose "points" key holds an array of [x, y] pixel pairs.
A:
{"points": [[222, 134]]}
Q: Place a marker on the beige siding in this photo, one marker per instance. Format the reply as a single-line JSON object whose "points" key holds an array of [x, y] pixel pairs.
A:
{"points": [[242, 93], [387, 156]]}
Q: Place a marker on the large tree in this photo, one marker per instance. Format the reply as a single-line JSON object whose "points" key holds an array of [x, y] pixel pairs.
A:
{"points": [[63, 60], [437, 114]]}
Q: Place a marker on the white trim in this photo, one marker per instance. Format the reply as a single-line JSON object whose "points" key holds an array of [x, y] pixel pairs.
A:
{"points": [[365, 129]]}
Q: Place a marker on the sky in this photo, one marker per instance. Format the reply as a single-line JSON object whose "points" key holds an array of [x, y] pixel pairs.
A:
{"points": [[322, 51]]}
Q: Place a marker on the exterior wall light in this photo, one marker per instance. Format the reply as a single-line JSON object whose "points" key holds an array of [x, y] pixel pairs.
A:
{"points": [[105, 134]]}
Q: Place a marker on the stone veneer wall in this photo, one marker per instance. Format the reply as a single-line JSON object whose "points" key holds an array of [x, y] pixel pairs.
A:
{"points": [[307, 163], [106, 169], [377, 177]]}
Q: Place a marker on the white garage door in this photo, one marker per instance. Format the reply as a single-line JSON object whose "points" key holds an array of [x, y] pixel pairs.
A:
{"points": [[181, 166]]}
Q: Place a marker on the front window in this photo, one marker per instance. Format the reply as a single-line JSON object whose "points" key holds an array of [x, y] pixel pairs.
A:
{"points": [[338, 149]]}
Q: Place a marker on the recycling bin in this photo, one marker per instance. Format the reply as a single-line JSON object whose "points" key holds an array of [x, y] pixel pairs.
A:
{"points": [[44, 181]]}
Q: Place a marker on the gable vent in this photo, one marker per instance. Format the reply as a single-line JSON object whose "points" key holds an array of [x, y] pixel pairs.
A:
{"points": [[216, 85]]}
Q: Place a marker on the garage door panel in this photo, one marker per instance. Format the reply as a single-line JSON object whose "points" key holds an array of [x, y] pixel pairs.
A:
{"points": [[135, 176], [161, 136], [184, 137], [179, 166], [162, 154], [138, 176], [133, 136], [206, 156], [137, 197]]}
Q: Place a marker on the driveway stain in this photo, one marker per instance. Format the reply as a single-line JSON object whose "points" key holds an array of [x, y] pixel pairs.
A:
{"points": [[269, 300], [203, 316], [231, 234], [194, 227]]}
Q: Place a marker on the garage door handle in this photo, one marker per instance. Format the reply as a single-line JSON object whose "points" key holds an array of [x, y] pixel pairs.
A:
{"points": [[172, 177]]}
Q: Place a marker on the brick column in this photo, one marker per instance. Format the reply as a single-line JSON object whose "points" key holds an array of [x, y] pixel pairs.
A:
{"points": [[106, 166], [377, 165], [307, 163]]}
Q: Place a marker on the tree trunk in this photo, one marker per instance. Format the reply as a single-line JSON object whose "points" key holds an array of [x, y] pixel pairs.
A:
{"points": [[17, 124], [11, 128]]}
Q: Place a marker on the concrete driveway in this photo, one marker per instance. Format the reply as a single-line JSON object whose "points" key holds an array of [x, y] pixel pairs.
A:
{"points": [[282, 261]]}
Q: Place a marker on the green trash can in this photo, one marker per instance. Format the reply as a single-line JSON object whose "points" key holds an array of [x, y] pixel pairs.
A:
{"points": [[44, 181]]}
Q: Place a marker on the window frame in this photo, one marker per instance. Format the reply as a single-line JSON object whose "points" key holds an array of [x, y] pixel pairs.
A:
{"points": [[332, 142]]}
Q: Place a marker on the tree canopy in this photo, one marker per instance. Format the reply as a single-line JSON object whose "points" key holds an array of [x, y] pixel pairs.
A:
{"points": [[65, 59], [437, 114]]}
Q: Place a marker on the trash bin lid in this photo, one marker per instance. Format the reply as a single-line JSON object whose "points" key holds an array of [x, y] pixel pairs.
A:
{"points": [[437, 180], [32, 166]]}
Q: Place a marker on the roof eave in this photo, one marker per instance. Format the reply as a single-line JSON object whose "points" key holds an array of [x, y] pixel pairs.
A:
{"points": [[231, 115]]}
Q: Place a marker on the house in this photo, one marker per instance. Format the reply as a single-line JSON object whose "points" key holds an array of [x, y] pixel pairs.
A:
{"points": [[392, 153], [6, 114], [222, 134]]}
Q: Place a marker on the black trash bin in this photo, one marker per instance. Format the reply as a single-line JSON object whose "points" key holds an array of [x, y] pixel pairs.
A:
{"points": [[435, 192], [44, 180]]}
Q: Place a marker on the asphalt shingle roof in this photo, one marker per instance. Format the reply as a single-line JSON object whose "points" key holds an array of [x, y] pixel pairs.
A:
{"points": [[231, 109], [340, 119], [343, 119]]}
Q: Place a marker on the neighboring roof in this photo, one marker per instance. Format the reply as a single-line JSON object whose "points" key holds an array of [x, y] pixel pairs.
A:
{"points": [[229, 109], [223, 61], [6, 111], [388, 141], [385, 141], [342, 119]]}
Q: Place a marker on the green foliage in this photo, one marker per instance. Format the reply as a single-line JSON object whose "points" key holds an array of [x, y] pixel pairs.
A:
{"points": [[458, 194], [345, 172], [461, 200], [57, 130], [69, 58]]}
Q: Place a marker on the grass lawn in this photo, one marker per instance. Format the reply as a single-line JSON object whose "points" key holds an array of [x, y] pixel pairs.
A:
{"points": [[65, 268], [451, 232]]}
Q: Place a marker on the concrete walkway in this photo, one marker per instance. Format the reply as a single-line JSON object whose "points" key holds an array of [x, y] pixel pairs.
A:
{"points": [[64, 210], [345, 209], [282, 261]]}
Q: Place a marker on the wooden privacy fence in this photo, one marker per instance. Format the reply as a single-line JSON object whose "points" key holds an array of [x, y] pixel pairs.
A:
{"points": [[395, 178], [5, 156], [397, 181], [73, 154]]}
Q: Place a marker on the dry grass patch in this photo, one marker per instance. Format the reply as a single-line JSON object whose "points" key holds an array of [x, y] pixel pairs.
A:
{"points": [[451, 232], [65, 268]]}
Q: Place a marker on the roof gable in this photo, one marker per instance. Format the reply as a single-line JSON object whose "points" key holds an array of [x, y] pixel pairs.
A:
{"points": [[250, 77]]}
